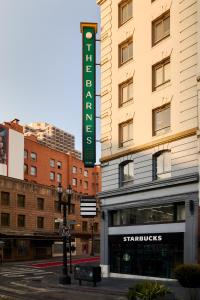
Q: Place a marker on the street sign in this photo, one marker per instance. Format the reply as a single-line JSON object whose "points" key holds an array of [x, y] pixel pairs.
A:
{"points": [[88, 206], [89, 93]]}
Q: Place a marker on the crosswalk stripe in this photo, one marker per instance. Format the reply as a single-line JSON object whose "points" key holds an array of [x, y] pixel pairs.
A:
{"points": [[29, 287], [9, 289]]}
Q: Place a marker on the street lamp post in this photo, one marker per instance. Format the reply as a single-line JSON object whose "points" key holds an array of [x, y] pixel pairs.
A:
{"points": [[92, 237], [65, 278]]}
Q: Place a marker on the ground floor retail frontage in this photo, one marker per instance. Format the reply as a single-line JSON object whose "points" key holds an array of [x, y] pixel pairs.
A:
{"points": [[147, 254], [149, 233]]}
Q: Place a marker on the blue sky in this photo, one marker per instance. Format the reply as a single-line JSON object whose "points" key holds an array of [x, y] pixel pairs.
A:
{"points": [[41, 61]]}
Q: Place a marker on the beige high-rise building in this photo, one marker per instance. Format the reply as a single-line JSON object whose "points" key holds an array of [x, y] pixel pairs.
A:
{"points": [[150, 104], [53, 137]]}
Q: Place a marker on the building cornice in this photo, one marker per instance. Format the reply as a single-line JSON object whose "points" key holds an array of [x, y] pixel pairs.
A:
{"points": [[153, 185], [168, 139]]}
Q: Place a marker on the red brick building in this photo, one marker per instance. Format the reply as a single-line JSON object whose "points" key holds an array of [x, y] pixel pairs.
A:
{"points": [[29, 207]]}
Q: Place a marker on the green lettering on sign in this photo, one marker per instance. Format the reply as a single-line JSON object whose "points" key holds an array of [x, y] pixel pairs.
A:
{"points": [[89, 90]]}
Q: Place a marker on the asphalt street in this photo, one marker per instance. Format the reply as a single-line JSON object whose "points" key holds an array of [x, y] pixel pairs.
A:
{"points": [[29, 282]]}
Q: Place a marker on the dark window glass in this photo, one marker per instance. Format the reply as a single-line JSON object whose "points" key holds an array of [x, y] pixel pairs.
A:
{"points": [[21, 221], [170, 213], [5, 219], [40, 203], [40, 222], [56, 206], [5, 198], [160, 28], [125, 11], [21, 200], [84, 226]]}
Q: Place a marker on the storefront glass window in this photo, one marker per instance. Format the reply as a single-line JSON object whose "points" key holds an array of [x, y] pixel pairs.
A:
{"points": [[170, 213]]}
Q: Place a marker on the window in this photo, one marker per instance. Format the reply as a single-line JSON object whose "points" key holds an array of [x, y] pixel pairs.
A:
{"points": [[126, 173], [162, 165], [74, 181], [21, 201], [59, 177], [72, 208], [57, 206], [166, 213], [125, 11], [85, 185], [40, 222], [125, 51], [25, 169], [33, 156], [96, 227], [125, 133], [86, 173], [5, 198], [52, 163], [160, 28], [52, 176], [21, 221], [56, 224], [40, 203], [125, 92], [74, 170], [5, 219], [59, 164], [84, 226], [81, 170], [161, 120], [160, 74], [80, 182], [33, 171], [25, 154]]}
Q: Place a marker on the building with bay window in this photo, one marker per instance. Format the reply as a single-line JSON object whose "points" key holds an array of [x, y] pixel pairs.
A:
{"points": [[150, 94]]}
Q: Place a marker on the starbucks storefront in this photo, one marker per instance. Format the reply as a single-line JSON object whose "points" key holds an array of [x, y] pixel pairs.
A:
{"points": [[153, 255]]}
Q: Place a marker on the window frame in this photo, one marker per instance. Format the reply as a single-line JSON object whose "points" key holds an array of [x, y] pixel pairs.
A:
{"points": [[33, 168], [8, 220], [158, 20], [33, 156], [155, 67], [21, 223], [122, 5], [5, 202], [40, 218], [123, 182], [155, 158], [122, 46], [157, 132], [122, 85], [40, 203], [21, 197], [120, 129]]}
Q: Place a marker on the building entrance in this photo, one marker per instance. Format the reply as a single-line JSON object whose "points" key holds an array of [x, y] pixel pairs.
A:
{"points": [[146, 258]]}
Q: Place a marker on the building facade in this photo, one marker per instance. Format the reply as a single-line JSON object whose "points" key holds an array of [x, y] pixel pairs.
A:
{"points": [[150, 93], [30, 218], [53, 137]]}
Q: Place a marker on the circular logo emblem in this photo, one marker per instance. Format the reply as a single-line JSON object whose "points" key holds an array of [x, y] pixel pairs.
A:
{"points": [[126, 257], [88, 35]]}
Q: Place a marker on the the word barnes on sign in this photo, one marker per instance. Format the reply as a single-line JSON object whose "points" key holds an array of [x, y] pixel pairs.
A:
{"points": [[89, 90]]}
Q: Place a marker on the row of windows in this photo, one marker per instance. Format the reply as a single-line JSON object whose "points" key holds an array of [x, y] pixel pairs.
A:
{"points": [[160, 26], [40, 202], [160, 77], [75, 170], [33, 157], [160, 120], [161, 168], [21, 222], [75, 183]]}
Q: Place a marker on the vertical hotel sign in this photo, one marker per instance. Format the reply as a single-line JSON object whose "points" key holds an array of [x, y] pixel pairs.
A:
{"points": [[89, 90]]}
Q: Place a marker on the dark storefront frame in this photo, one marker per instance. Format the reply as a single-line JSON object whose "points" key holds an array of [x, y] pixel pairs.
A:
{"points": [[154, 256]]}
